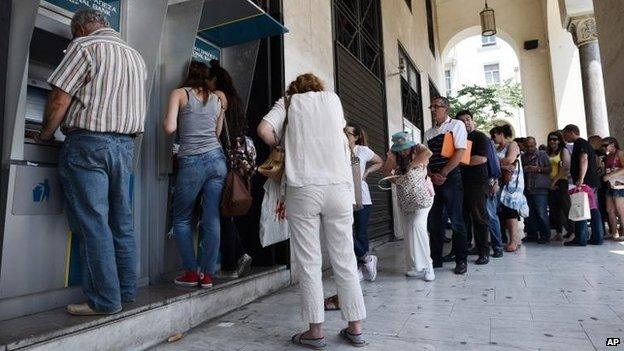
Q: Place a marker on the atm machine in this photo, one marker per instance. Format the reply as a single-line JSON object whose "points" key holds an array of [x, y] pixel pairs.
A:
{"points": [[39, 259]]}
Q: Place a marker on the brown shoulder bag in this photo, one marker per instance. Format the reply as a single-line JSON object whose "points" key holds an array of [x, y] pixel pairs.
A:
{"points": [[236, 197]]}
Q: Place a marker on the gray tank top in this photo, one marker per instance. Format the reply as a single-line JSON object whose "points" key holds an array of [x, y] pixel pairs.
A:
{"points": [[197, 125]]}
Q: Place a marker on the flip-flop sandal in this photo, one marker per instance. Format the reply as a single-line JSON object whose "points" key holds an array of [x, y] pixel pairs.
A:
{"points": [[332, 303], [356, 340], [314, 344]]}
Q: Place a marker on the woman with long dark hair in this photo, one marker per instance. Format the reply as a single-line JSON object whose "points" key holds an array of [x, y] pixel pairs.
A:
{"points": [[235, 262], [196, 112], [614, 166], [558, 197]]}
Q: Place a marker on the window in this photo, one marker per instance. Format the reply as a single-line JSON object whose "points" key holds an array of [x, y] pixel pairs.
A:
{"points": [[358, 29], [492, 74], [409, 4], [447, 82], [411, 99], [488, 41], [430, 28]]}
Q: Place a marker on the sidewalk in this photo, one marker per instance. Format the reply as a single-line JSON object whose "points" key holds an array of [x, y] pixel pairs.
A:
{"points": [[543, 297]]}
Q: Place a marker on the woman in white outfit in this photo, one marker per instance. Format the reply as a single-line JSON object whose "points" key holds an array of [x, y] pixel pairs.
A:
{"points": [[319, 193], [406, 166]]}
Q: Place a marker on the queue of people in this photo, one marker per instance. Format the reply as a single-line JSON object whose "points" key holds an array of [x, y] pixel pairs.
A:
{"points": [[484, 186]]}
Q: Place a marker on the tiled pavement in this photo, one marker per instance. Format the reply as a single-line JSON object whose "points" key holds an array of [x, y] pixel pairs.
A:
{"points": [[544, 297]]}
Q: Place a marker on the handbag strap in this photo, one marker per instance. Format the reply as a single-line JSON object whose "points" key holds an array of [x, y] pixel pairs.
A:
{"points": [[387, 178], [280, 141]]}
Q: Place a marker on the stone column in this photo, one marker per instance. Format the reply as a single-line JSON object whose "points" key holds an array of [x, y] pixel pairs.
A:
{"points": [[583, 29]]}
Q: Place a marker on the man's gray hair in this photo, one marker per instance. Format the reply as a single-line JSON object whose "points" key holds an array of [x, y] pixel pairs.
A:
{"points": [[84, 17], [444, 100]]}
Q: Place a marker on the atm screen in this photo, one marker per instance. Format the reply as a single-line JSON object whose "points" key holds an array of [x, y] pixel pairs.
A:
{"points": [[36, 99]]}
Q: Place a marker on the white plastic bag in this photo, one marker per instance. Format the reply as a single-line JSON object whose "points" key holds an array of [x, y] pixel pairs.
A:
{"points": [[272, 230], [579, 211]]}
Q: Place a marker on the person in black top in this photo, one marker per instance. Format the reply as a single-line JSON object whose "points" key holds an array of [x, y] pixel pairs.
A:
{"points": [[584, 172], [475, 181]]}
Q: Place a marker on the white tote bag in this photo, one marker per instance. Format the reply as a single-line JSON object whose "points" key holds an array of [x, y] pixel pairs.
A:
{"points": [[579, 211], [272, 230]]}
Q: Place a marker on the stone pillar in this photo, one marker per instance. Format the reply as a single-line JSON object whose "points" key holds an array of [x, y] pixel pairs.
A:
{"points": [[585, 35]]}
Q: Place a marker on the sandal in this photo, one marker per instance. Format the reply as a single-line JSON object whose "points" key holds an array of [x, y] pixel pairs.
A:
{"points": [[314, 344], [356, 340], [332, 303]]}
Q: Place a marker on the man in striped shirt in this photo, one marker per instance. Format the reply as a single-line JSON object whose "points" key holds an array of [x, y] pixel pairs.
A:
{"points": [[99, 100]]}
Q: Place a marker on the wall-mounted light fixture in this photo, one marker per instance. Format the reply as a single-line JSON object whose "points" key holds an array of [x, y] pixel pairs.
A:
{"points": [[488, 21]]}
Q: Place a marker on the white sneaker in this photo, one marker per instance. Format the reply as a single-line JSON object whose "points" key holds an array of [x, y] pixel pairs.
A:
{"points": [[429, 275], [412, 273], [370, 268]]}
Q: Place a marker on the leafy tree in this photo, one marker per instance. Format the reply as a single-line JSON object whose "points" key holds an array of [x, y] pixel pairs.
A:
{"points": [[486, 103]]}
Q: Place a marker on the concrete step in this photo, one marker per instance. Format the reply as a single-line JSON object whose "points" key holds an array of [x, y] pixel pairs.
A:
{"points": [[159, 312]]}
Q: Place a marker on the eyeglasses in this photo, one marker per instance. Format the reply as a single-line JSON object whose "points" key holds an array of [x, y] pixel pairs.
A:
{"points": [[553, 139], [435, 107]]}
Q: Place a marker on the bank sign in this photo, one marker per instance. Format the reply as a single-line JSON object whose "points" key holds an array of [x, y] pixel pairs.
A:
{"points": [[203, 51], [110, 8]]}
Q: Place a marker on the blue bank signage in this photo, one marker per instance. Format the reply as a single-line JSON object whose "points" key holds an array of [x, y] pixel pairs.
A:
{"points": [[110, 8], [204, 51]]}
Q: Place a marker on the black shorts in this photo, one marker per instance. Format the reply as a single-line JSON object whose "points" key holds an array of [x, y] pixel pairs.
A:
{"points": [[508, 213]]}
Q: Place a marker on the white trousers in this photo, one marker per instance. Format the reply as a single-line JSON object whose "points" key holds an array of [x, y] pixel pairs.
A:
{"points": [[310, 209], [417, 250]]}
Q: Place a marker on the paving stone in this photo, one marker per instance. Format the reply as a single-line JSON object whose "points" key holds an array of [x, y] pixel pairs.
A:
{"points": [[544, 297]]}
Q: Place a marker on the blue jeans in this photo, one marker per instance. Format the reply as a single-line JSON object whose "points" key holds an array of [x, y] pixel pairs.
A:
{"points": [[360, 240], [449, 195], [491, 205], [538, 223], [204, 175], [95, 171], [582, 231]]}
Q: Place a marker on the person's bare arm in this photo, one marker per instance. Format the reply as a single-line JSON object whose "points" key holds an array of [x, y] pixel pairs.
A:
{"points": [[55, 111], [507, 162], [224, 107], [390, 164], [170, 122], [376, 164], [584, 163], [476, 160], [266, 133]]}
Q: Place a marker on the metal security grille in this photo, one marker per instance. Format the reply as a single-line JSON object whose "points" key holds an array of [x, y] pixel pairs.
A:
{"points": [[358, 28], [362, 96]]}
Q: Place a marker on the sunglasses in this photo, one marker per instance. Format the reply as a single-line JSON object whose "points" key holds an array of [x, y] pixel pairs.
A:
{"points": [[553, 139]]}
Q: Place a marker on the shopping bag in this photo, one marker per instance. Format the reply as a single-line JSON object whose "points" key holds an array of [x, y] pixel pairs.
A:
{"points": [[579, 211], [448, 148], [272, 230]]}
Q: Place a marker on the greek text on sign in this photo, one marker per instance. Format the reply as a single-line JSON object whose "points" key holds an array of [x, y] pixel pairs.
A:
{"points": [[110, 8]]}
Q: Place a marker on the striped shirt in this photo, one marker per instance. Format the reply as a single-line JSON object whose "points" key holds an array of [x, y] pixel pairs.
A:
{"points": [[107, 79]]}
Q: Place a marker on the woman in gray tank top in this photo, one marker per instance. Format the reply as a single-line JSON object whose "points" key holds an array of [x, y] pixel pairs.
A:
{"points": [[197, 114]]}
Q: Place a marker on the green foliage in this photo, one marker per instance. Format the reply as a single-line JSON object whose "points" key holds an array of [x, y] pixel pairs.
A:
{"points": [[486, 103]]}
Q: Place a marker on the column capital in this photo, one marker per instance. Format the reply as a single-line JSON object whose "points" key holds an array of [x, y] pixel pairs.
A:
{"points": [[583, 29]]}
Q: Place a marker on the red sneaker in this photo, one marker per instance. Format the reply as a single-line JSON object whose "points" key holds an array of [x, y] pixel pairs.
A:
{"points": [[205, 280], [188, 278]]}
